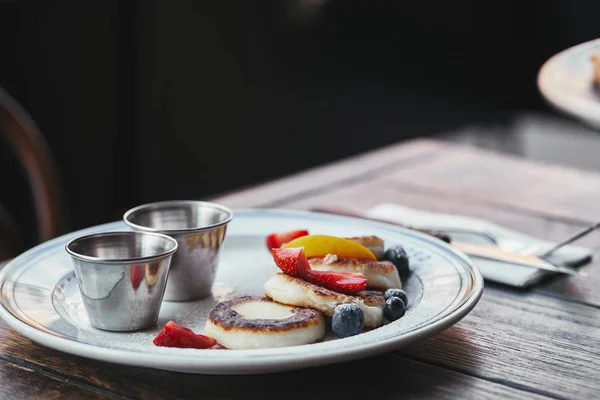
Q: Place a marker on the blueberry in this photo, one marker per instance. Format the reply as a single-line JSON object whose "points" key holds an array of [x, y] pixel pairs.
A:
{"points": [[347, 320], [393, 309], [401, 294], [399, 258]]}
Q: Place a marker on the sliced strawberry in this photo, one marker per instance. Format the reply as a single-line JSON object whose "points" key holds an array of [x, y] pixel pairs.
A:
{"points": [[136, 275], [276, 240], [342, 282], [174, 335], [292, 261]]}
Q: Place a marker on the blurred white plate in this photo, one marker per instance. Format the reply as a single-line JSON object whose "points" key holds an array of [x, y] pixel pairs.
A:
{"points": [[566, 81], [40, 299]]}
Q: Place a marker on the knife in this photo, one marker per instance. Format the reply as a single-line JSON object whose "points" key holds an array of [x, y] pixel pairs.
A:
{"points": [[497, 254]]}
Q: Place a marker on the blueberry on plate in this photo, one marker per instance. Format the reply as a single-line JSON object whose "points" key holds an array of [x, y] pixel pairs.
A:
{"points": [[347, 320], [397, 255], [393, 309], [401, 294]]}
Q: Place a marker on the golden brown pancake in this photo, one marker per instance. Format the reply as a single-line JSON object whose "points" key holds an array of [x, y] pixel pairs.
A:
{"points": [[256, 322], [373, 243], [297, 292]]}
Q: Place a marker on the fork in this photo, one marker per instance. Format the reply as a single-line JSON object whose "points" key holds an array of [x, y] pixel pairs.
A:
{"points": [[442, 234]]}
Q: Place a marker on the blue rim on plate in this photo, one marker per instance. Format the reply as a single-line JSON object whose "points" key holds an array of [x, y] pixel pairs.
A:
{"points": [[39, 298]]}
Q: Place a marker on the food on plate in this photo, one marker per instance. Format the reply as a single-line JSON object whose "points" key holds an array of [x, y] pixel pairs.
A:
{"points": [[342, 282], [256, 322], [380, 275], [321, 245], [323, 277], [347, 320], [394, 308], [293, 262], [397, 255], [596, 62], [294, 291], [276, 240], [373, 243], [396, 293], [174, 335]]}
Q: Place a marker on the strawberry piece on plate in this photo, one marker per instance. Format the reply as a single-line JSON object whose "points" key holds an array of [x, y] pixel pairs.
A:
{"points": [[136, 275], [276, 240], [341, 282], [292, 261], [174, 335]]}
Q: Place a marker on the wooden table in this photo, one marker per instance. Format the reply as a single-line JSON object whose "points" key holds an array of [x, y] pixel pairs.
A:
{"points": [[542, 342]]}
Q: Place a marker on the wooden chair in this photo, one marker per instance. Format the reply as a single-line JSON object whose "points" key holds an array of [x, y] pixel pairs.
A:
{"points": [[27, 143]]}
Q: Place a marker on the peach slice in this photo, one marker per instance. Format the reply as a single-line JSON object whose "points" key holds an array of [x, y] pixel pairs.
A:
{"points": [[321, 245]]}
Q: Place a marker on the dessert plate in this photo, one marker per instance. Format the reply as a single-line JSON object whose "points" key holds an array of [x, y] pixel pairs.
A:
{"points": [[40, 299], [566, 80]]}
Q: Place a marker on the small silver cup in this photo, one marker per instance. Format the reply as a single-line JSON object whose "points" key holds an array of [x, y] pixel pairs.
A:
{"points": [[122, 277], [199, 227]]}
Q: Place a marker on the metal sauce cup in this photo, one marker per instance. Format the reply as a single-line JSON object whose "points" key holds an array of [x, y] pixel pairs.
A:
{"points": [[199, 227], [122, 277]]}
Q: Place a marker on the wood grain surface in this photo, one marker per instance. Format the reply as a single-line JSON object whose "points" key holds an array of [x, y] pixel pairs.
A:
{"points": [[412, 378], [536, 343]]}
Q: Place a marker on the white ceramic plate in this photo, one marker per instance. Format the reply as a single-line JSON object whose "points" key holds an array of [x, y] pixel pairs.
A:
{"points": [[40, 299], [566, 81]]}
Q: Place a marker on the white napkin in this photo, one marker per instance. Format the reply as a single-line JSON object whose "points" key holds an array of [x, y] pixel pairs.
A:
{"points": [[508, 240]]}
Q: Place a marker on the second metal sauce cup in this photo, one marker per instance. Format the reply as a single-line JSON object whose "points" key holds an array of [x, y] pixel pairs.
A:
{"points": [[199, 228]]}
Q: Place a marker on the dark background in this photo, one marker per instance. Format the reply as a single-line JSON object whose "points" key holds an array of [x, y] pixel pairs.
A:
{"points": [[153, 100]]}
